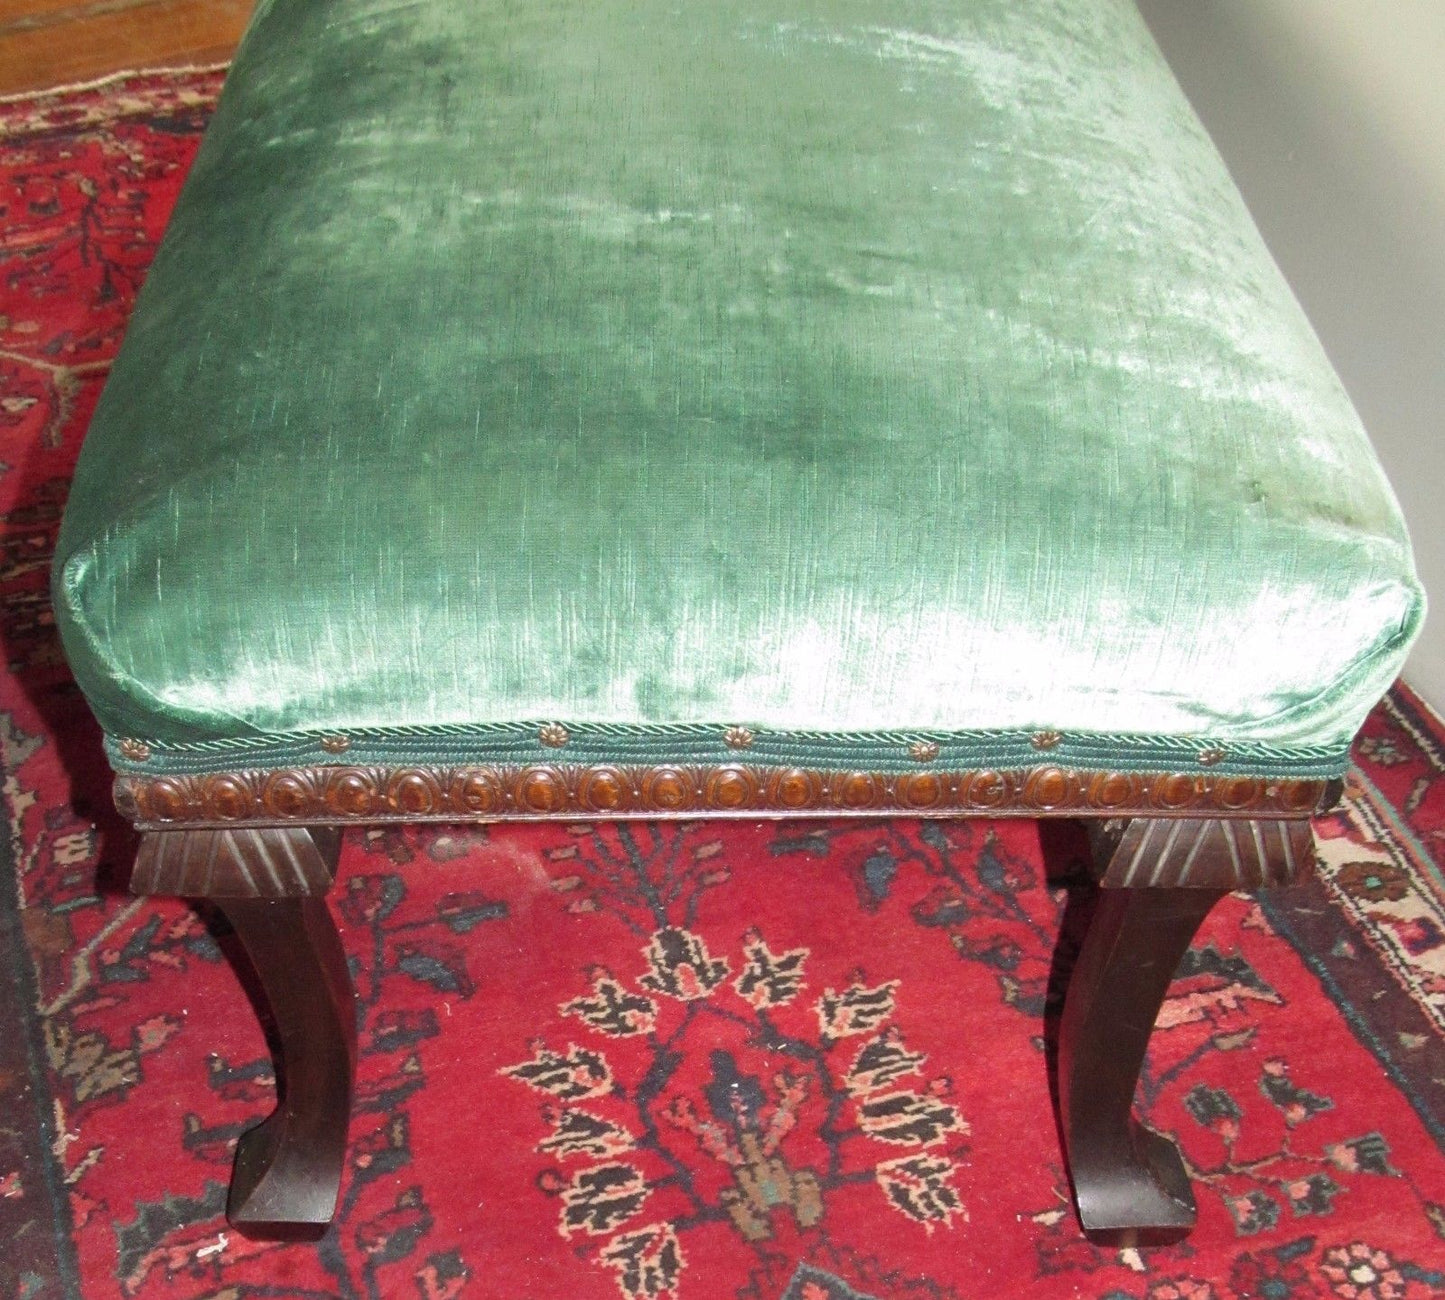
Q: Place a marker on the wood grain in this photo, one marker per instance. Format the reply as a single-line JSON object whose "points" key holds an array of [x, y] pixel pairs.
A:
{"points": [[45, 43]]}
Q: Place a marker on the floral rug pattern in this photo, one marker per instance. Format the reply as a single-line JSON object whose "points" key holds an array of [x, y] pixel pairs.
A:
{"points": [[772, 1061]]}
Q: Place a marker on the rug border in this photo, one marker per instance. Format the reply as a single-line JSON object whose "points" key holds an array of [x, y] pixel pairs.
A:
{"points": [[125, 74], [33, 1108]]}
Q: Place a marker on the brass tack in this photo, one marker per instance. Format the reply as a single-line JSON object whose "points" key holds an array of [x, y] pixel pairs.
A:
{"points": [[135, 750], [554, 735], [1211, 757], [738, 738], [1046, 739], [923, 751], [335, 744]]}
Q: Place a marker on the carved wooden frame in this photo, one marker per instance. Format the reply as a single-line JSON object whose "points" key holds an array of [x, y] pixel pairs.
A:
{"points": [[370, 794], [263, 845]]}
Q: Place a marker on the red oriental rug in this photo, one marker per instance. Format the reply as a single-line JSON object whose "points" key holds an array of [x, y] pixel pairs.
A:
{"points": [[765, 1062]]}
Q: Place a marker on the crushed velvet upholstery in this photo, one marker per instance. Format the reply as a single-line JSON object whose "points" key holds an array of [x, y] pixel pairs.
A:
{"points": [[850, 373]]}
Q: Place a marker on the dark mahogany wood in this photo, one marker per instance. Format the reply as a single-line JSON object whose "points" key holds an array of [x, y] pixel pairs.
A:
{"points": [[288, 1169], [270, 884], [337, 793], [1203, 852], [1160, 877], [1129, 1183], [239, 862]]}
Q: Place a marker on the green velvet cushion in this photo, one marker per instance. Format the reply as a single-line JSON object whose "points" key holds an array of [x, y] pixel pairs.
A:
{"points": [[848, 371]]}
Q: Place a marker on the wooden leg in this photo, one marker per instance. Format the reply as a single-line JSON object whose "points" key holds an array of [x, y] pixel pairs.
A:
{"points": [[288, 1170], [1160, 879], [1129, 1183], [271, 884]]}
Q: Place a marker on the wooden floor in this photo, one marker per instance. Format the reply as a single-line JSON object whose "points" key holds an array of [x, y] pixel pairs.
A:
{"points": [[59, 42]]}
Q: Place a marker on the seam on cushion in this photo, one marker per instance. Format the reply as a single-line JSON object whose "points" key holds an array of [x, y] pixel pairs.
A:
{"points": [[692, 744], [526, 731]]}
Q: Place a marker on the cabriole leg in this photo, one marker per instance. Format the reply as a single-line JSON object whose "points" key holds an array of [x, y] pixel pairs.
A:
{"points": [[1129, 1183], [288, 1169], [270, 884], [1160, 878]]}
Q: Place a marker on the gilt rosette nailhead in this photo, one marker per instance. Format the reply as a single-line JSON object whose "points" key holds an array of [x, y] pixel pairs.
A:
{"points": [[441, 793]]}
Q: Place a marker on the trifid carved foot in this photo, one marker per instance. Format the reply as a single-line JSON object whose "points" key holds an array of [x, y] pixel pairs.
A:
{"points": [[1160, 878], [270, 885]]}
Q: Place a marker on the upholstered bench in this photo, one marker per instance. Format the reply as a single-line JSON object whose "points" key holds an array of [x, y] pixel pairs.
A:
{"points": [[648, 410]]}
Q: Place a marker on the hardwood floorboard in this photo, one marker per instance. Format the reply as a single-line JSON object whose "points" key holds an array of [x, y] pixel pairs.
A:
{"points": [[47, 43]]}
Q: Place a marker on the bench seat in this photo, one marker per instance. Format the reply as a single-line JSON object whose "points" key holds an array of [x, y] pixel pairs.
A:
{"points": [[838, 381], [627, 408]]}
